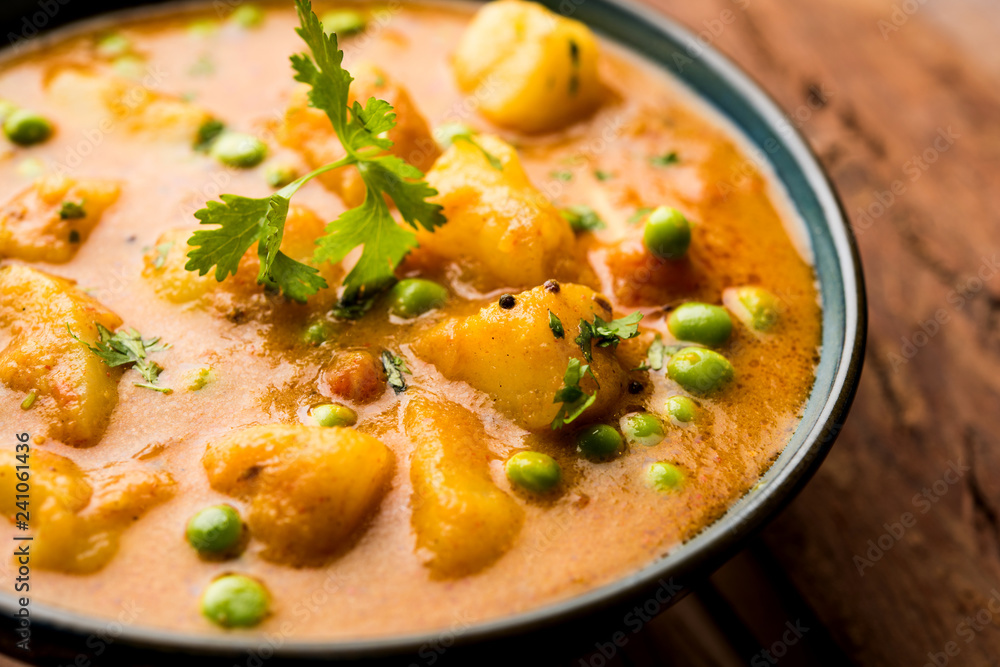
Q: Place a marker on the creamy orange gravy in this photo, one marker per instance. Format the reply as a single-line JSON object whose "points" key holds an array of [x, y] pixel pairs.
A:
{"points": [[604, 523]]}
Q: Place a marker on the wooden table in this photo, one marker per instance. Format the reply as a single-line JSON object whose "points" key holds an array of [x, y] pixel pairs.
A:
{"points": [[891, 552], [864, 567]]}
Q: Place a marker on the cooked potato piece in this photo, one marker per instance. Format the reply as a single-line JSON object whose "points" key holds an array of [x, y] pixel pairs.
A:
{"points": [[513, 356], [309, 131], [165, 261], [50, 220], [104, 102], [309, 488], [531, 70], [76, 526], [460, 516], [501, 230], [76, 391]]}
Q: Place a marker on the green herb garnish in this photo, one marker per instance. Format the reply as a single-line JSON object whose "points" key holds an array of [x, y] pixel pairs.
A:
{"points": [[639, 215], [128, 347], [242, 221], [574, 399], [602, 175], [449, 133], [665, 160], [606, 334], [563, 175], [70, 210], [582, 218], [556, 325], [395, 366]]}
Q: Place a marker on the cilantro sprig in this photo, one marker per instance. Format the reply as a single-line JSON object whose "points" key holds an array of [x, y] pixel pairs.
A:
{"points": [[240, 222], [606, 334], [573, 398], [128, 347], [394, 366]]}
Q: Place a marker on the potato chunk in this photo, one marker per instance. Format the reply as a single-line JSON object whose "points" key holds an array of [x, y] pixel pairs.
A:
{"points": [[103, 103], [461, 518], [50, 220], [501, 230], [77, 525], [76, 390], [513, 356], [532, 70], [309, 131], [309, 488], [165, 261]]}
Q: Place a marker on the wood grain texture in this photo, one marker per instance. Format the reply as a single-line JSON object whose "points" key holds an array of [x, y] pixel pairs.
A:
{"points": [[873, 100]]}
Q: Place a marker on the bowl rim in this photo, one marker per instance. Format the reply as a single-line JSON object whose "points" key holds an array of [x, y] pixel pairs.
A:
{"points": [[715, 543]]}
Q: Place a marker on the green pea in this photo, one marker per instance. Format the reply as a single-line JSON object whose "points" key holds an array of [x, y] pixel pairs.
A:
{"points": [[599, 441], [280, 175], [344, 22], [681, 408], [334, 414], [415, 296], [317, 333], [699, 370], [664, 476], [215, 530], [248, 16], [235, 601], [533, 471], [756, 307], [701, 323], [235, 149], [667, 233], [25, 127], [642, 428]]}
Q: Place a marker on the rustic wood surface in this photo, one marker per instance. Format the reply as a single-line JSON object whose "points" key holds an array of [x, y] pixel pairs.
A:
{"points": [[896, 578], [878, 573]]}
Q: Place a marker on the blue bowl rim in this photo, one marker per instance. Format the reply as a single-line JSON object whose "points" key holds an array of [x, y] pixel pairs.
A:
{"points": [[712, 546]]}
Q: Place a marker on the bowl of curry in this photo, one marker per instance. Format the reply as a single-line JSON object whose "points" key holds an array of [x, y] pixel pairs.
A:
{"points": [[356, 323]]}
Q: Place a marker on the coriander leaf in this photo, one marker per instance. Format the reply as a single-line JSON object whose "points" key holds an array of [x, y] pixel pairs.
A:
{"points": [[654, 355], [394, 366], [582, 218], [665, 160], [127, 347], [162, 250], [556, 325], [563, 175], [574, 399], [602, 175], [241, 223], [449, 133], [606, 334], [585, 338], [70, 210], [625, 327], [397, 178], [385, 244], [298, 281]]}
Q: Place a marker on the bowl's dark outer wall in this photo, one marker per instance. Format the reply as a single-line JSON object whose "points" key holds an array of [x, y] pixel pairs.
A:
{"points": [[595, 621]]}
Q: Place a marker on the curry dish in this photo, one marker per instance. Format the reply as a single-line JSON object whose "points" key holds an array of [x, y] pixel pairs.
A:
{"points": [[481, 316]]}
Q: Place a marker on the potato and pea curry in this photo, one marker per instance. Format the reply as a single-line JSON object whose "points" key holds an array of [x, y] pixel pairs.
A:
{"points": [[458, 315]]}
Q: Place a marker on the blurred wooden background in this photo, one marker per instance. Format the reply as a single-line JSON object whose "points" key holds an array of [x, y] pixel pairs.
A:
{"points": [[864, 567]]}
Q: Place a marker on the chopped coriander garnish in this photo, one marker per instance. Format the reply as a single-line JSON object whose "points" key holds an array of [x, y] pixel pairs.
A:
{"points": [[128, 347], [606, 334], [574, 399], [556, 325], [449, 133], [243, 221], [29, 400], [208, 133], [394, 366], [602, 175], [162, 250], [657, 354], [582, 218], [639, 215], [70, 210], [665, 160], [562, 175]]}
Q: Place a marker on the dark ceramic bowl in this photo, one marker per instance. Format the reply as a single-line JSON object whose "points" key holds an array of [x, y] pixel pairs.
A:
{"points": [[583, 622]]}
